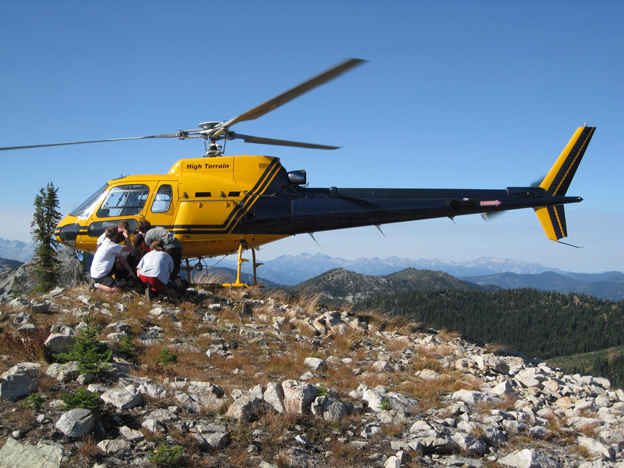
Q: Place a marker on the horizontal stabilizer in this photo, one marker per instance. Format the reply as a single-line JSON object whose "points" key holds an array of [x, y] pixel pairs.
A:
{"points": [[553, 221], [558, 179]]}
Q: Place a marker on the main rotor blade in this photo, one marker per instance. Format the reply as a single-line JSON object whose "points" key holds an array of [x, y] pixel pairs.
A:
{"points": [[168, 135], [295, 92], [271, 141]]}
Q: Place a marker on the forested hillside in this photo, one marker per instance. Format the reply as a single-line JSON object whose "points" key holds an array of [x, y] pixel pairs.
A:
{"points": [[538, 324]]}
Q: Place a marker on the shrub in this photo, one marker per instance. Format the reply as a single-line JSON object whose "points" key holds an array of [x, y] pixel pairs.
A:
{"points": [[82, 398], [34, 401], [92, 356], [166, 455], [167, 357]]}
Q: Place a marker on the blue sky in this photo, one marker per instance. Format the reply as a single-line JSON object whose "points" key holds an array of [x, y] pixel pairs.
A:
{"points": [[457, 94]]}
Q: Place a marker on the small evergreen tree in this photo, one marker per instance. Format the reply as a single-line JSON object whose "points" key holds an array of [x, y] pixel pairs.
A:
{"points": [[91, 355], [45, 219]]}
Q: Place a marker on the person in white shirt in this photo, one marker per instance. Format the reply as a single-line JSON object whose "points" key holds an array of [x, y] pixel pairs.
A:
{"points": [[155, 268], [119, 236], [108, 259]]}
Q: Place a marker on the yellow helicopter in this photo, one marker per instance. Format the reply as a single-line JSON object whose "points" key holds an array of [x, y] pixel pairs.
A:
{"points": [[218, 205]]}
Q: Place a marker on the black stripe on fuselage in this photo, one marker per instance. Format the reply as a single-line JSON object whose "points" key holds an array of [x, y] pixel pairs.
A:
{"points": [[238, 211]]}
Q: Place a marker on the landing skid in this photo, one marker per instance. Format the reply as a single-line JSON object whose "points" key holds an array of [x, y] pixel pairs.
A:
{"points": [[238, 283]]}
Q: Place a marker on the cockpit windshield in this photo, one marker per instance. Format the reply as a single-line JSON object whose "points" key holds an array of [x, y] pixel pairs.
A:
{"points": [[87, 208]]}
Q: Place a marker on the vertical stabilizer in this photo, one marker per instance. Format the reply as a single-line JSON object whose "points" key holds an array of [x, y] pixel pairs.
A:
{"points": [[558, 179]]}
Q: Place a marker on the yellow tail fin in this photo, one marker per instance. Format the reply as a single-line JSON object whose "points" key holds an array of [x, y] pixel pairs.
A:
{"points": [[558, 179]]}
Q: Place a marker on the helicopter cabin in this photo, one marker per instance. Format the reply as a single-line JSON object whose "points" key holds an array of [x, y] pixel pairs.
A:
{"points": [[201, 201]]}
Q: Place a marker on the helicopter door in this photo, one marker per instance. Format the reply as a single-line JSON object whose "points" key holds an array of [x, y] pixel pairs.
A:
{"points": [[163, 205]]}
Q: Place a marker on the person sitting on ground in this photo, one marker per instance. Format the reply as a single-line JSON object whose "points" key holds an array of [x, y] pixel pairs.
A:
{"points": [[155, 268], [108, 260], [124, 225], [132, 256], [171, 244]]}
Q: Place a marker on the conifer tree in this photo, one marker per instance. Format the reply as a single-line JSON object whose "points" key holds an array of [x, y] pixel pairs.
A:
{"points": [[45, 219]]}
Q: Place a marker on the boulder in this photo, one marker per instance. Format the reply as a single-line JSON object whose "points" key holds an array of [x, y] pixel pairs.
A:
{"points": [[114, 446], [274, 396], [246, 408], [20, 380], [298, 396], [15, 455], [76, 423], [58, 343], [528, 459], [124, 398], [315, 364], [64, 372]]}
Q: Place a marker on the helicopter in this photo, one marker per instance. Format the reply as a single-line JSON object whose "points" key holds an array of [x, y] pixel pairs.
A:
{"points": [[218, 205]]}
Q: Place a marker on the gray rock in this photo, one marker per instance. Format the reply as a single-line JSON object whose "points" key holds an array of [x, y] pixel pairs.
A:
{"points": [[382, 366], [131, 434], [15, 455], [59, 343], [315, 364], [125, 398], [274, 396], [598, 448], [489, 362], [464, 462], [469, 444], [64, 372], [441, 444], [246, 408], [20, 380], [528, 459], [153, 426], [40, 307], [22, 318], [114, 446], [470, 397], [76, 423], [333, 409], [494, 436], [370, 430], [298, 396]]}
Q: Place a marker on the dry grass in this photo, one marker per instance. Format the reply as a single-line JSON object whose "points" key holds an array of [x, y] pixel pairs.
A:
{"points": [[88, 447], [45, 383], [429, 392], [447, 335], [26, 346], [309, 303], [400, 343], [20, 418], [580, 451], [344, 452], [188, 365]]}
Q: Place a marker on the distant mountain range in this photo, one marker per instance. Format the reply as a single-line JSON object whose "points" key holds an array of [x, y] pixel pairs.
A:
{"points": [[290, 270], [16, 250], [608, 285]]}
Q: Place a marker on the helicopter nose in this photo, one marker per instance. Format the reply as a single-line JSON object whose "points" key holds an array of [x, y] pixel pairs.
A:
{"points": [[67, 234]]}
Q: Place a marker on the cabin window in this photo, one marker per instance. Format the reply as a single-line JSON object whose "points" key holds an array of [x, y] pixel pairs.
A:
{"points": [[99, 227], [162, 200], [124, 200]]}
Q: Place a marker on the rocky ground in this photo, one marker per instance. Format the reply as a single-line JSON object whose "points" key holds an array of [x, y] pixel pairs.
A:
{"points": [[244, 378]]}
